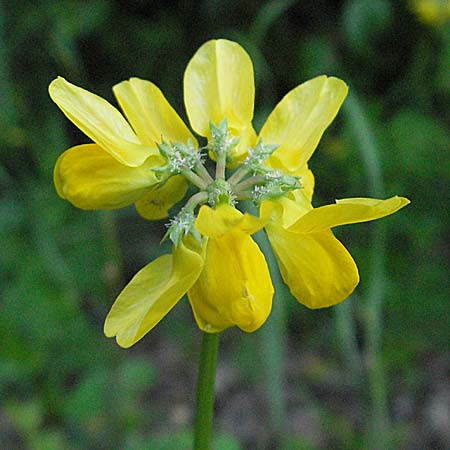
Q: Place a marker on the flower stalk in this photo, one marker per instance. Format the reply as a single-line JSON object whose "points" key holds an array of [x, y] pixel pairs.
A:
{"points": [[196, 180], [220, 166], [200, 169], [197, 199], [205, 391]]}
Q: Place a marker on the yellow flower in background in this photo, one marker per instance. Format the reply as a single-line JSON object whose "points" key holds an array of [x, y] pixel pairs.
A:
{"points": [[432, 12], [151, 158]]}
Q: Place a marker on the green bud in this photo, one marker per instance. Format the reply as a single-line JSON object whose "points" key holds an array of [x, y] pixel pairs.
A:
{"points": [[181, 225], [276, 185], [257, 156], [180, 157], [221, 143], [220, 191]]}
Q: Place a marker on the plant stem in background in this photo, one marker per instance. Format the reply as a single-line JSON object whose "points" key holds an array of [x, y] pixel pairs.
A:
{"points": [[266, 17], [205, 391], [114, 264], [273, 340], [273, 343], [373, 303], [346, 332], [8, 111]]}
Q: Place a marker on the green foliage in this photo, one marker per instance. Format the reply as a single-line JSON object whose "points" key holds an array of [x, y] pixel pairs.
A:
{"points": [[364, 23], [62, 383]]}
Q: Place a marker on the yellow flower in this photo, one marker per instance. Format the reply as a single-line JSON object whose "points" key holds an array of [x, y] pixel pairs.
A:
{"points": [[235, 287], [432, 12], [116, 171], [153, 292], [316, 266], [151, 160], [319, 271]]}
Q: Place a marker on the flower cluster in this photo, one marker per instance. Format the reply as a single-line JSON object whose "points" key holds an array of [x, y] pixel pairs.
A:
{"points": [[150, 160]]}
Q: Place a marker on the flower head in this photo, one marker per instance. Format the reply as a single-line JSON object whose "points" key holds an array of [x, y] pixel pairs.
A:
{"points": [[151, 158]]}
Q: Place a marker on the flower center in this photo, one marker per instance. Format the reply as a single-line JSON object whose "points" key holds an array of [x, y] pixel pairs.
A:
{"points": [[252, 180]]}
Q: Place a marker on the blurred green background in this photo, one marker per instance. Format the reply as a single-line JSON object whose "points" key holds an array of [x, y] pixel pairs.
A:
{"points": [[370, 373]]}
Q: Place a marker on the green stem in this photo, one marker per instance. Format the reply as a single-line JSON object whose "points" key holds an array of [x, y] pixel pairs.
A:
{"points": [[113, 253], [274, 345], [238, 175], [249, 183], [9, 116], [205, 391], [195, 179], [244, 195], [201, 171], [266, 17], [195, 200], [221, 165], [273, 342], [346, 331], [373, 305]]}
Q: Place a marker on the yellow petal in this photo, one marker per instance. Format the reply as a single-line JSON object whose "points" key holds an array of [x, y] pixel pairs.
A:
{"points": [[150, 114], [287, 210], [306, 180], [316, 266], [100, 121], [234, 287], [90, 178], [346, 211], [216, 222], [155, 205], [218, 84], [247, 138], [152, 293], [299, 120]]}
